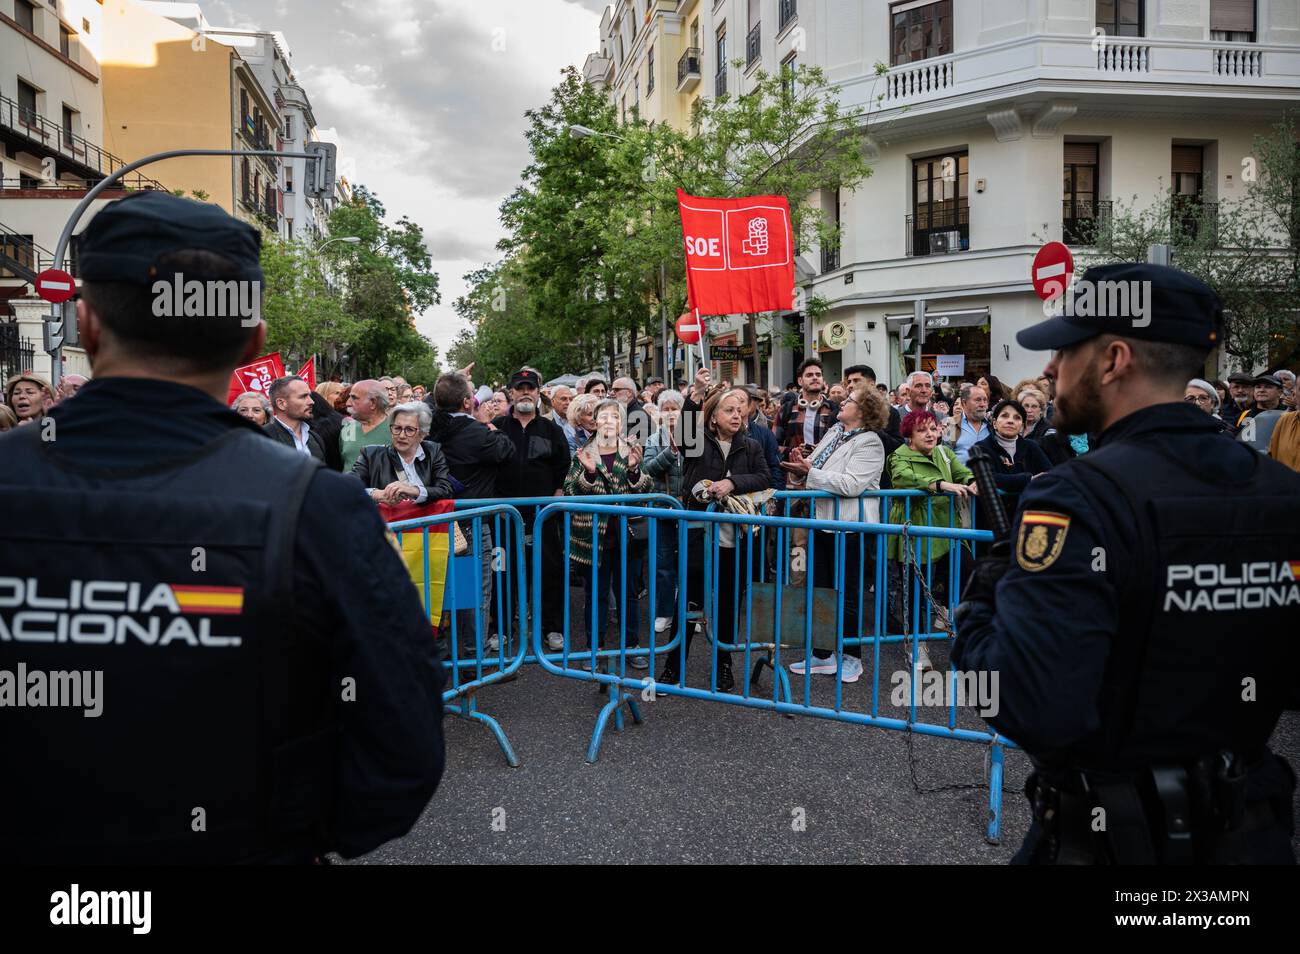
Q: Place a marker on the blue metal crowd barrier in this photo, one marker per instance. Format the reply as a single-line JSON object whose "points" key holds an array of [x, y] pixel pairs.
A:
{"points": [[466, 672], [610, 666]]}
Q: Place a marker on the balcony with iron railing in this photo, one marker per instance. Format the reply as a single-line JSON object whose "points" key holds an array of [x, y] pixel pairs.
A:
{"points": [[1082, 218], [753, 44], [25, 129], [1163, 66], [830, 258], [1191, 219], [786, 12], [938, 230], [688, 70], [22, 257]]}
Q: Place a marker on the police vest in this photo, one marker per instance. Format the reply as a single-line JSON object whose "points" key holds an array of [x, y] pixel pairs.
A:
{"points": [[1205, 657], [214, 737]]}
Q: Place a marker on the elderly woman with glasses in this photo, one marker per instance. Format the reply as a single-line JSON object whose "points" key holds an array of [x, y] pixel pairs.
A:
{"points": [[1204, 395], [253, 406], [410, 468]]}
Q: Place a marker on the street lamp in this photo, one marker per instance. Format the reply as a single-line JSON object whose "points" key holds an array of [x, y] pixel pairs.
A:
{"points": [[585, 132], [349, 239]]}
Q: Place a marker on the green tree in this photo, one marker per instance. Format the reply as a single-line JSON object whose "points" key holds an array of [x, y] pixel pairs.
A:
{"points": [[303, 316], [387, 279]]}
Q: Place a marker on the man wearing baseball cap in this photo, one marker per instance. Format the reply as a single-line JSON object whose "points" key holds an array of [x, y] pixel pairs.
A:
{"points": [[540, 466], [1115, 615], [226, 587]]}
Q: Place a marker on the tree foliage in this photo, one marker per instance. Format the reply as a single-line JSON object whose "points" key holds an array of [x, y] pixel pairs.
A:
{"points": [[594, 246]]}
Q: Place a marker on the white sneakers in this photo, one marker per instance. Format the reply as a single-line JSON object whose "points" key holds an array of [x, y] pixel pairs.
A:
{"points": [[850, 667], [555, 641], [662, 623]]}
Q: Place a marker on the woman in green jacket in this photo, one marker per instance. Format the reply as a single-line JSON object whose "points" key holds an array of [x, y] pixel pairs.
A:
{"points": [[607, 464], [924, 463]]}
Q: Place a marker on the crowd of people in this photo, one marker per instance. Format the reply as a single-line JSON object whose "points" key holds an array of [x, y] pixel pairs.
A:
{"points": [[702, 443]]}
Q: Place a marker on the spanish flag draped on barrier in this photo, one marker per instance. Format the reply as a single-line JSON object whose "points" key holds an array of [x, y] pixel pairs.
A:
{"points": [[412, 549]]}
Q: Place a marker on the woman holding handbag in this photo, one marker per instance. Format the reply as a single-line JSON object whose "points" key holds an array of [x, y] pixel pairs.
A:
{"points": [[608, 464], [847, 462]]}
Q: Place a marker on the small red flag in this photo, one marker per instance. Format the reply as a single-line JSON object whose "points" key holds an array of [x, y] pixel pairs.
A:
{"points": [[739, 253], [256, 377], [308, 372]]}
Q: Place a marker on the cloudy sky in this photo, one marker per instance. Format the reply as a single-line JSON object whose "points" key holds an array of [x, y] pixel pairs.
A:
{"points": [[427, 100]]}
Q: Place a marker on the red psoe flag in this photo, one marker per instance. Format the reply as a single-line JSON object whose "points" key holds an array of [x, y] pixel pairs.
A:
{"points": [[256, 377], [739, 253], [308, 372]]}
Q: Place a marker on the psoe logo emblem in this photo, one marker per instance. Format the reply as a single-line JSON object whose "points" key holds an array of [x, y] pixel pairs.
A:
{"points": [[757, 242]]}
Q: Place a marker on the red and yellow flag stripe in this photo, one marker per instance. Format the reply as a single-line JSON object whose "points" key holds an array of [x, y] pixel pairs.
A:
{"points": [[209, 600]]}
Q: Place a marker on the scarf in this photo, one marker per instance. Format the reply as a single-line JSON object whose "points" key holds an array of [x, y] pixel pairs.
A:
{"points": [[837, 437]]}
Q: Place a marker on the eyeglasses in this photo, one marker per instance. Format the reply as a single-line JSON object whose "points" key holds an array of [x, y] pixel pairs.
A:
{"points": [[403, 430], [1198, 399]]}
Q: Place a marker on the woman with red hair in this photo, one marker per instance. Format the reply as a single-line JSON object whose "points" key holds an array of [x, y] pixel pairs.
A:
{"points": [[923, 463]]}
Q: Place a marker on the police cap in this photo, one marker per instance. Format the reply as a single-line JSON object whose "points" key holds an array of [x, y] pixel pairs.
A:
{"points": [[1132, 300], [124, 242]]}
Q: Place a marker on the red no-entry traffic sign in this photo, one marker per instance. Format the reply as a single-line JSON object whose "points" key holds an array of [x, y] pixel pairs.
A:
{"points": [[1051, 271], [55, 286], [688, 328]]}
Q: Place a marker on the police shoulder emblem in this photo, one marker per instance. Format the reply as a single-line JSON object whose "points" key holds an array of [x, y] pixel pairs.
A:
{"points": [[1042, 535]]}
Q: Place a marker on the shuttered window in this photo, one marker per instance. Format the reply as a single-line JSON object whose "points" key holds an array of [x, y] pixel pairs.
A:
{"points": [[1080, 153], [1187, 159], [1232, 16]]}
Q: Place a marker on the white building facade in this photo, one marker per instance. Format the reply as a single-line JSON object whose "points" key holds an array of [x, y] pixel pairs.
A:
{"points": [[999, 125]]}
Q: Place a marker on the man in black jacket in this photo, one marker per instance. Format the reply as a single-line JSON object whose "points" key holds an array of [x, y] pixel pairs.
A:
{"points": [[265, 700], [476, 455], [292, 411], [541, 464]]}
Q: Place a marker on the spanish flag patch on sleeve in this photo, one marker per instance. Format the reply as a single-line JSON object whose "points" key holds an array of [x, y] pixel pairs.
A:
{"points": [[1041, 538]]}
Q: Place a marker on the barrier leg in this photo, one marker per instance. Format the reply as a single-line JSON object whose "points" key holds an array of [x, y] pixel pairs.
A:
{"points": [[614, 707], [467, 709], [994, 836]]}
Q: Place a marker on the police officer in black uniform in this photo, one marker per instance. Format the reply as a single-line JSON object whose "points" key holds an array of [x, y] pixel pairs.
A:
{"points": [[1143, 617], [269, 687]]}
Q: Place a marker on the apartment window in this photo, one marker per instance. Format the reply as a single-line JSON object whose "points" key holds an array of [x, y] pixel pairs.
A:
{"points": [[1079, 198], [85, 25], [65, 41], [720, 51], [288, 178], [243, 108], [243, 177], [940, 219], [69, 121], [695, 33], [25, 14], [753, 40], [789, 68], [650, 70], [1232, 21], [27, 104], [1120, 17], [920, 29], [831, 252], [288, 127]]}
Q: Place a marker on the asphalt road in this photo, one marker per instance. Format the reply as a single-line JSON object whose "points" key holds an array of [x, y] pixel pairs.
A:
{"points": [[702, 782]]}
